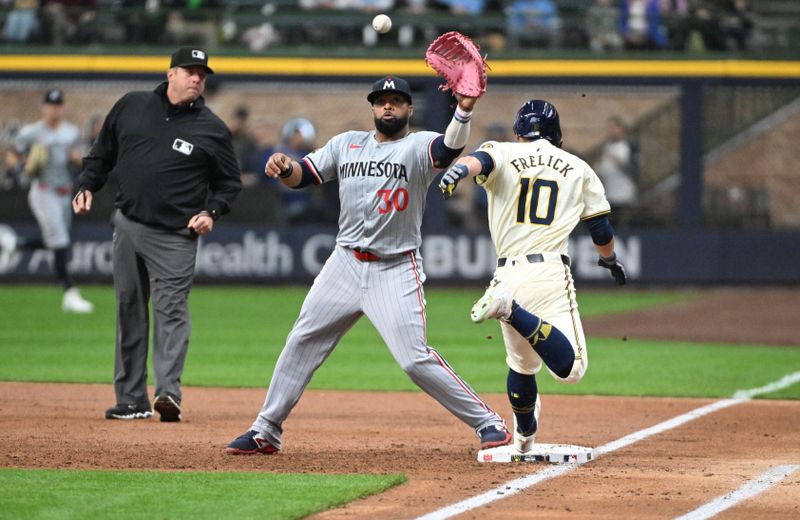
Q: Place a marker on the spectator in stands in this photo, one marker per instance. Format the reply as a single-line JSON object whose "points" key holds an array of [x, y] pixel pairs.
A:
{"points": [[244, 146], [603, 26], [297, 139], [70, 21], [675, 16], [187, 24], [359, 5], [618, 169], [737, 24], [534, 21], [705, 20], [11, 175], [416, 6], [259, 37], [641, 25], [464, 7], [144, 20], [22, 22]]}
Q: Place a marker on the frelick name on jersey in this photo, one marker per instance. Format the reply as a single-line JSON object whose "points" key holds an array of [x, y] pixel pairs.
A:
{"points": [[373, 169], [533, 161]]}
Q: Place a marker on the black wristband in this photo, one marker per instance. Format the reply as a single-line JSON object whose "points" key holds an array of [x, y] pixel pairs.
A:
{"points": [[287, 172]]}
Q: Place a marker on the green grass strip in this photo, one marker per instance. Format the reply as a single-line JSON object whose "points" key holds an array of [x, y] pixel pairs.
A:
{"points": [[81, 494], [238, 334]]}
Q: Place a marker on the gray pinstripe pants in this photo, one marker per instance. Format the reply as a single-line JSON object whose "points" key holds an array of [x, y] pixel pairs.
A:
{"points": [[389, 292], [158, 264]]}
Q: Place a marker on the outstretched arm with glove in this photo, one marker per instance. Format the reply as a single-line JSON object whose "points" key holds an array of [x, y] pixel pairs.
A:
{"points": [[472, 165], [457, 59]]}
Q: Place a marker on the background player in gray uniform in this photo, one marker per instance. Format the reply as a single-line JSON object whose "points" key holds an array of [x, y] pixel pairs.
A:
{"points": [[537, 194], [57, 144], [375, 268]]}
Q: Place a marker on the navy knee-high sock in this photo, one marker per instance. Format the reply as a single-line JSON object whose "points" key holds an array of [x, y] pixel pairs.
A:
{"points": [[522, 392], [60, 265], [550, 343], [30, 244]]}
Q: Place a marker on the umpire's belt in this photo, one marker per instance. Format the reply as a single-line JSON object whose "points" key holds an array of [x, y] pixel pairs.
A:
{"points": [[534, 258]]}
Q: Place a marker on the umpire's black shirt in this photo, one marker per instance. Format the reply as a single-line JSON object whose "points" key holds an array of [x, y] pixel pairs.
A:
{"points": [[170, 162]]}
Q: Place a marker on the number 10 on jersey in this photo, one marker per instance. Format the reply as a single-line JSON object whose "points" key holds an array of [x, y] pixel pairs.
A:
{"points": [[540, 200]]}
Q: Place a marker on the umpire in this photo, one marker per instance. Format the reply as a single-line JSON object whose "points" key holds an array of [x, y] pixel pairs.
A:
{"points": [[174, 163]]}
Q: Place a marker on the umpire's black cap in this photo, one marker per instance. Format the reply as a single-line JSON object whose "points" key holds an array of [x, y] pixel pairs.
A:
{"points": [[390, 84], [54, 96], [190, 57]]}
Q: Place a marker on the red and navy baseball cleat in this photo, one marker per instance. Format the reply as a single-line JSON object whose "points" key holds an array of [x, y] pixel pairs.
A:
{"points": [[494, 435], [250, 443]]}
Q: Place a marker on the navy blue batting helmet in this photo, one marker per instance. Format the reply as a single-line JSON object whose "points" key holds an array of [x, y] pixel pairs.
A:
{"points": [[538, 119]]}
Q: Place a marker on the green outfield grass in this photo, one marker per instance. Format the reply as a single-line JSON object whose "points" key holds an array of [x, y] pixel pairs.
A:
{"points": [[237, 336], [79, 494], [239, 332]]}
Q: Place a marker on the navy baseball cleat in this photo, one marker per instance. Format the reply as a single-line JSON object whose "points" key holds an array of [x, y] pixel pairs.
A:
{"points": [[250, 443], [168, 407], [129, 411], [494, 435]]}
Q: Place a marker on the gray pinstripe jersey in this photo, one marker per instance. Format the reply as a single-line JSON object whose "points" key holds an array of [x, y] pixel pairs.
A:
{"points": [[59, 141], [382, 188]]}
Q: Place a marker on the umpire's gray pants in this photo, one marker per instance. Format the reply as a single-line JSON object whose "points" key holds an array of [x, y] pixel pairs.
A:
{"points": [[151, 261]]}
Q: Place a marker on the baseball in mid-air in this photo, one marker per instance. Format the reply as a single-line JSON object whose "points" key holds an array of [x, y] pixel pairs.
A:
{"points": [[382, 23]]}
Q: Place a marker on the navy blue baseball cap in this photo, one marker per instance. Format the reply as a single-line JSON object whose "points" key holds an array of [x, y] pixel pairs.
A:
{"points": [[190, 57], [54, 97], [390, 84]]}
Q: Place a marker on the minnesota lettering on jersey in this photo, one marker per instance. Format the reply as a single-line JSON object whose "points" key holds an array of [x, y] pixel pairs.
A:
{"points": [[533, 161], [373, 169]]}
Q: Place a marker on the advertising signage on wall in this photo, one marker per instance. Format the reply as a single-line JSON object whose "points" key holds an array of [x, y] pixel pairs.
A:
{"points": [[244, 254], [262, 255]]}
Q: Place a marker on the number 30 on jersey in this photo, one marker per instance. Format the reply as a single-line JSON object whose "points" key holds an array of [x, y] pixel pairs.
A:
{"points": [[392, 200]]}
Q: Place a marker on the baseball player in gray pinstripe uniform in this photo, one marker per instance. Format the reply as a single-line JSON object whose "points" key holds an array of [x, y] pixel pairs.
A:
{"points": [[49, 146], [375, 268]]}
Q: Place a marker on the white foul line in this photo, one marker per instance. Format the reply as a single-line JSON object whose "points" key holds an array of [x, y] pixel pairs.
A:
{"points": [[747, 490], [787, 380], [513, 487]]}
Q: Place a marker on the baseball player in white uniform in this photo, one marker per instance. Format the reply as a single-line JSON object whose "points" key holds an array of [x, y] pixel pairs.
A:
{"points": [[537, 194], [376, 267], [50, 194]]}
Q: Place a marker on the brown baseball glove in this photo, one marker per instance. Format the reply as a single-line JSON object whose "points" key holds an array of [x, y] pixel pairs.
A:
{"points": [[457, 59], [36, 161]]}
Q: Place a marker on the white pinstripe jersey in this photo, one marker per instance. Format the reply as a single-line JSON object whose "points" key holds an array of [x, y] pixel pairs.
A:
{"points": [[59, 142], [537, 193], [382, 188]]}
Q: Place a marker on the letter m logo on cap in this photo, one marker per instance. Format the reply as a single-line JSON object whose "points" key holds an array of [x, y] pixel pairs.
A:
{"points": [[388, 84], [200, 55]]}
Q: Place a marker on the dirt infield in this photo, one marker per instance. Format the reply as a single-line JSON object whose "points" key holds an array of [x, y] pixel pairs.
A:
{"points": [[669, 474], [732, 315]]}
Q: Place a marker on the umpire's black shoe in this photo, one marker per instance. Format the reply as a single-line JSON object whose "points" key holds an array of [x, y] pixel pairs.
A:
{"points": [[129, 411], [168, 407]]}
